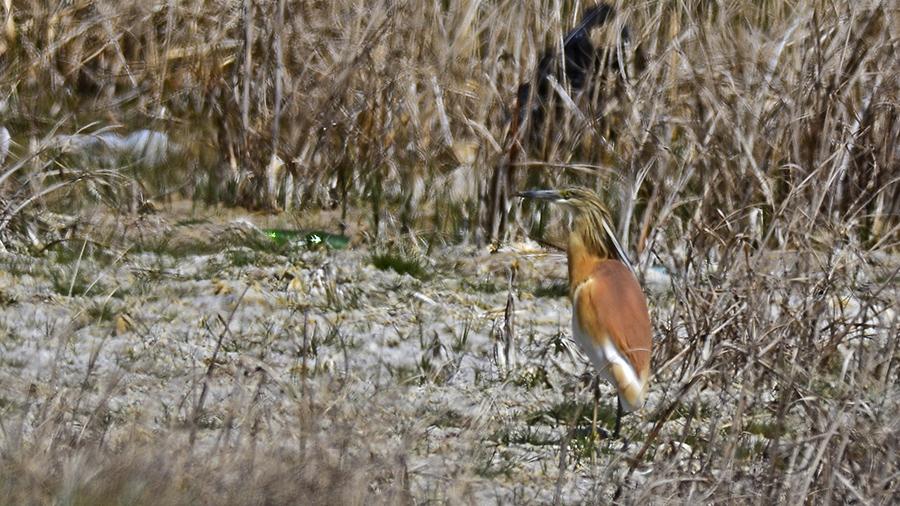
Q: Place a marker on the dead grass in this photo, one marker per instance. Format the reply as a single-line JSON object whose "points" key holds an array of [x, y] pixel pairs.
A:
{"points": [[749, 151]]}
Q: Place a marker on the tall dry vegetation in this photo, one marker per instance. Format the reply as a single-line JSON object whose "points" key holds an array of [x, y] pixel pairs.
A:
{"points": [[751, 150], [404, 108]]}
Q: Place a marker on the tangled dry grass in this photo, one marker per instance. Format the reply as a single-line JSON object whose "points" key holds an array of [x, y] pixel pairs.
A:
{"points": [[748, 148]]}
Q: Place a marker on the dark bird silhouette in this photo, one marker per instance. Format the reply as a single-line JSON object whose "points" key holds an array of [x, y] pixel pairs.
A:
{"points": [[580, 59], [574, 67]]}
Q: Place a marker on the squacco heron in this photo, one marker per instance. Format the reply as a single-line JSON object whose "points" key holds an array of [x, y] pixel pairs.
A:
{"points": [[610, 320]]}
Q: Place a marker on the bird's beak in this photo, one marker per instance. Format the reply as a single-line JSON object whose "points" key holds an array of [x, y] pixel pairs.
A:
{"points": [[551, 195]]}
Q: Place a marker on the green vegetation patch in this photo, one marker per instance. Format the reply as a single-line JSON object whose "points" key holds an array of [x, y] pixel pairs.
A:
{"points": [[401, 265]]}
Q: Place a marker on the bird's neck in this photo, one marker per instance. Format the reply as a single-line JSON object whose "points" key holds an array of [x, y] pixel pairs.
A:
{"points": [[588, 245], [582, 260]]}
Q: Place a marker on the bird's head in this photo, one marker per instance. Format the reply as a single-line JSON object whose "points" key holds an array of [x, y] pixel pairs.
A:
{"points": [[592, 221], [575, 199]]}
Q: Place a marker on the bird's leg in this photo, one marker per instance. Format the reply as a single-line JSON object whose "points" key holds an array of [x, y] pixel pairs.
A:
{"points": [[596, 387], [618, 418]]}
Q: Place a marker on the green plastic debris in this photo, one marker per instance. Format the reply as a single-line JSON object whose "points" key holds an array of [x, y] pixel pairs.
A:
{"points": [[311, 240]]}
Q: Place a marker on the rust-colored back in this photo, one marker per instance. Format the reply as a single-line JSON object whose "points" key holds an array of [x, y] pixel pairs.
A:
{"points": [[620, 310]]}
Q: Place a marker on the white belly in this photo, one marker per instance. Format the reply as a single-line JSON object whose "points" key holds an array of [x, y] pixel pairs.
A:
{"points": [[598, 358]]}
